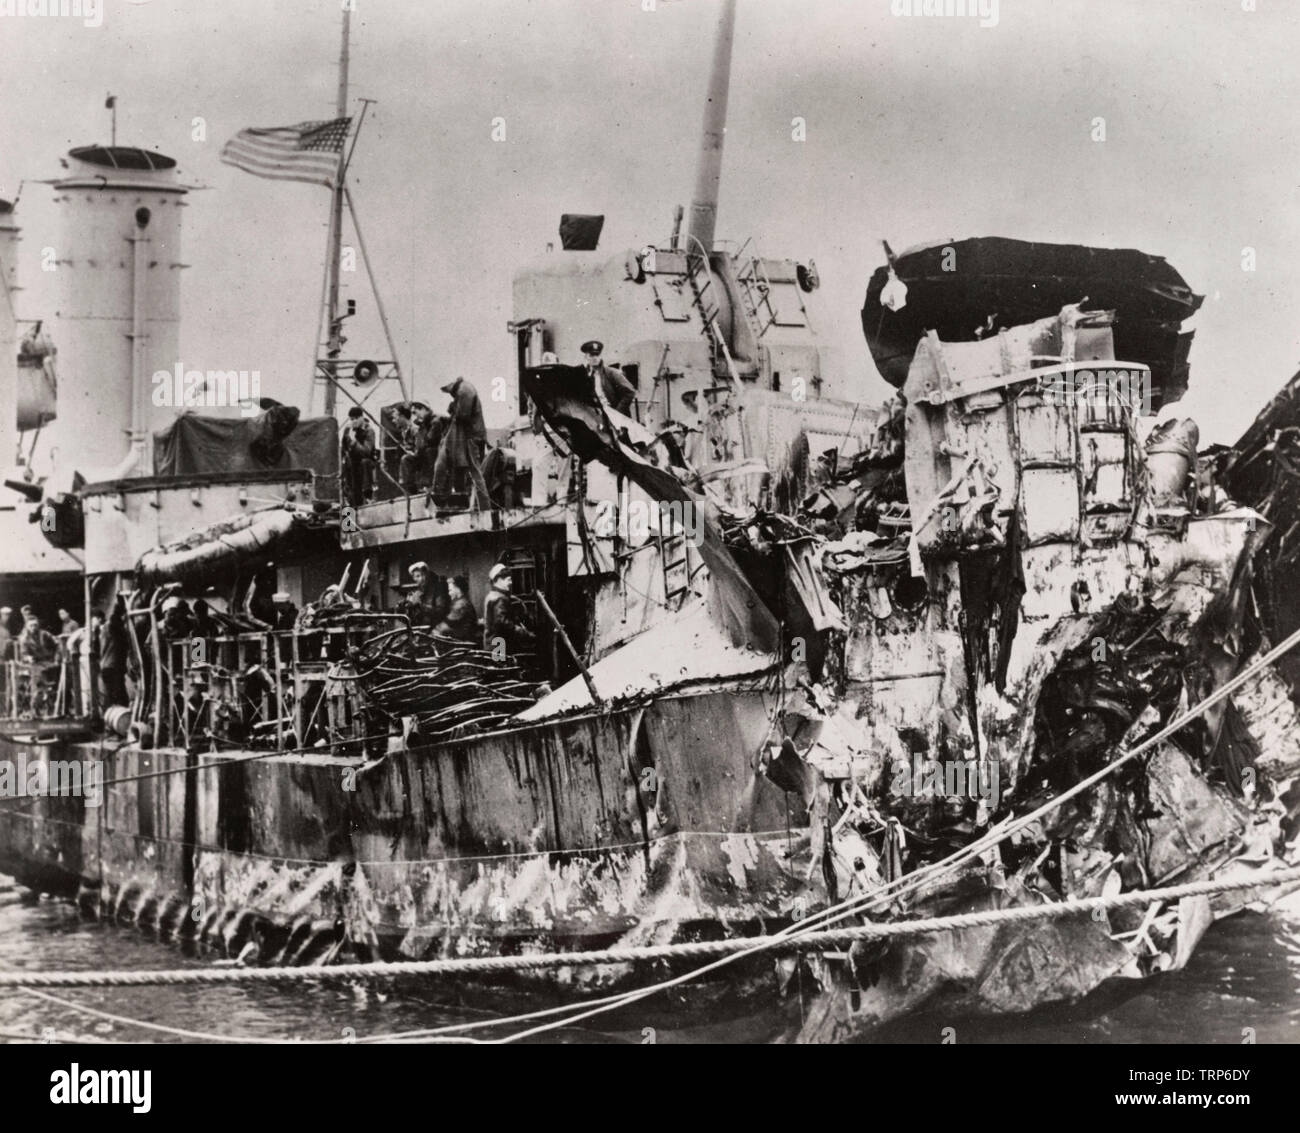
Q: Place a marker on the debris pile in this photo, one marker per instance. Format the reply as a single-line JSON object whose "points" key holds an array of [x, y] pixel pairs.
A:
{"points": [[447, 687]]}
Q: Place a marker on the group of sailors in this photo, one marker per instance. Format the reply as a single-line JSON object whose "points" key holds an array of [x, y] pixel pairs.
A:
{"points": [[443, 605], [443, 454], [45, 654], [33, 643]]}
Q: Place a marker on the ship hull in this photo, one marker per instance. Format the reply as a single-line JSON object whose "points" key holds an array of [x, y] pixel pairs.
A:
{"points": [[545, 839], [537, 839]]}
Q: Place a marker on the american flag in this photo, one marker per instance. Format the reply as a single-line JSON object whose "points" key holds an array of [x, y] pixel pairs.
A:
{"points": [[309, 151]]}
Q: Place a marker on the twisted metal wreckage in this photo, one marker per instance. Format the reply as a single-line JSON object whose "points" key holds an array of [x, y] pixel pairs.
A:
{"points": [[1018, 579]]}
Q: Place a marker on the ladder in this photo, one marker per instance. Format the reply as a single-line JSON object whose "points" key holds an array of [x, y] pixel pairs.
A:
{"points": [[757, 290], [674, 556], [697, 267]]}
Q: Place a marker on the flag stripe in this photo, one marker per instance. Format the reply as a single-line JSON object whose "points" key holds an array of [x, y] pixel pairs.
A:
{"points": [[322, 160], [325, 167], [313, 168], [328, 182], [326, 179]]}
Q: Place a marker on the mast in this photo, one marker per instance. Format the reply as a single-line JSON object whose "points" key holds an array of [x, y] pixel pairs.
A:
{"points": [[336, 228]]}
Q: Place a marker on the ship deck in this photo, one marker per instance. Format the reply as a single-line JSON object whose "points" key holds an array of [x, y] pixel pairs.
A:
{"points": [[416, 517]]}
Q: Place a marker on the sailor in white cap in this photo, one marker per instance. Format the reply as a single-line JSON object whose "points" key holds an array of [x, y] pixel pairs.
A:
{"points": [[177, 621], [286, 613], [427, 600]]}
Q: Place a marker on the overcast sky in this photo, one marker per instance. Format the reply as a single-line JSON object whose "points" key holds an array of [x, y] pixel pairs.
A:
{"points": [[917, 129]]}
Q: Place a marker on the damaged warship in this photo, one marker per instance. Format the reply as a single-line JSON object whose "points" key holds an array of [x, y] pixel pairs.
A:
{"points": [[1005, 643]]}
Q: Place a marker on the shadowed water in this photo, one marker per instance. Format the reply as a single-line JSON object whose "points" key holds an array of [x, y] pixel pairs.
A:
{"points": [[1245, 974]]}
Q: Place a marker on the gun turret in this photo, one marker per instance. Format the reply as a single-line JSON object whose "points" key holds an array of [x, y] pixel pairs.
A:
{"points": [[708, 172]]}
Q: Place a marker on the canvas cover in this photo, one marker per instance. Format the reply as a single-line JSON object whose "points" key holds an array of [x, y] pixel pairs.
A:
{"points": [[195, 444]]}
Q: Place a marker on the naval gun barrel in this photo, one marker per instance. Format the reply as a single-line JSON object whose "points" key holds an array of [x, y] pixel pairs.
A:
{"points": [[708, 171]]}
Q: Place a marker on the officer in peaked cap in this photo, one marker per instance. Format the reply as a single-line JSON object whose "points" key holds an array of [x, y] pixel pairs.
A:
{"points": [[610, 383]]}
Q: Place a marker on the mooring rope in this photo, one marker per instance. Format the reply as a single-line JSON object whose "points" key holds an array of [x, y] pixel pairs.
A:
{"points": [[641, 954]]}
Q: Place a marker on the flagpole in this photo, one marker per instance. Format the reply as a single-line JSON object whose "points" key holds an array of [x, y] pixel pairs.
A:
{"points": [[336, 230]]}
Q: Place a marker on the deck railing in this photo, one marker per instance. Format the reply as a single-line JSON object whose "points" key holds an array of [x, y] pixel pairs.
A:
{"points": [[287, 690], [55, 690]]}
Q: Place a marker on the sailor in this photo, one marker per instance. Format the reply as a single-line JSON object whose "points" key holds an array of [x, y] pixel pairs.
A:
{"points": [[463, 445], [502, 621], [334, 603], [357, 446], [114, 646], [406, 437], [460, 621], [67, 623], [272, 429], [6, 635], [177, 621], [401, 421], [427, 602], [38, 647], [36, 644], [433, 426], [609, 382], [205, 625], [414, 470], [286, 613], [257, 600]]}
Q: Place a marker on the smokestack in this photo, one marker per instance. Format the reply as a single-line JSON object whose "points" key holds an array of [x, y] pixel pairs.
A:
{"points": [[119, 305], [708, 172]]}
